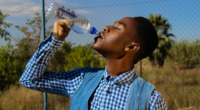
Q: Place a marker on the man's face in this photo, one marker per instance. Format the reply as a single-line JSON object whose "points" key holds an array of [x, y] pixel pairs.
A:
{"points": [[114, 38]]}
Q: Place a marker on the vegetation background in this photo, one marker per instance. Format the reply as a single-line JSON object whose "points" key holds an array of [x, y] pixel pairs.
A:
{"points": [[174, 67]]}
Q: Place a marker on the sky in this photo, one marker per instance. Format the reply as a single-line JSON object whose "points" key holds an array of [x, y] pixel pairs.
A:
{"points": [[183, 15]]}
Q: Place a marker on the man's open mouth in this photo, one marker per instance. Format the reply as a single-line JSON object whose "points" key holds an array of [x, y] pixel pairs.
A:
{"points": [[97, 37]]}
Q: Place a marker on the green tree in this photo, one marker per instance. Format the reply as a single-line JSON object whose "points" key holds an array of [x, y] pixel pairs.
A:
{"points": [[164, 37], [33, 32], [3, 25], [186, 53], [81, 56], [10, 67], [13, 61], [25, 49], [33, 29], [58, 60]]}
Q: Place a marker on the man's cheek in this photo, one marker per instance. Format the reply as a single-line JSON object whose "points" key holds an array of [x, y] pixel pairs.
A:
{"points": [[111, 39]]}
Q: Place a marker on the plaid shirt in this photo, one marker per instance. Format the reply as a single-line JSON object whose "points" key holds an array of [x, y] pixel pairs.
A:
{"points": [[111, 94]]}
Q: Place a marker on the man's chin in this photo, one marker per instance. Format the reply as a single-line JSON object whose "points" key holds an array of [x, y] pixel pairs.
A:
{"points": [[94, 46]]}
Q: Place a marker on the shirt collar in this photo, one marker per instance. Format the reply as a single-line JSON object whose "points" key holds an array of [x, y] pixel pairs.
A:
{"points": [[126, 77]]}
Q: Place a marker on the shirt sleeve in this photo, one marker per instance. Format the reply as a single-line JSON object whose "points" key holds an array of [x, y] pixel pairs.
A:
{"points": [[157, 102], [36, 77]]}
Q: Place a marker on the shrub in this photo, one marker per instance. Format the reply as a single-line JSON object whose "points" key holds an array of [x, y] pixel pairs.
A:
{"points": [[186, 53]]}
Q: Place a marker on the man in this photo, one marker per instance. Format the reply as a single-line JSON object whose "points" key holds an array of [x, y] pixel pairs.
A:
{"points": [[117, 87]]}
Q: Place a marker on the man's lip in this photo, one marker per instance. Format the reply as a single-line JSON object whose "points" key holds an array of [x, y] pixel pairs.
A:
{"points": [[97, 37]]}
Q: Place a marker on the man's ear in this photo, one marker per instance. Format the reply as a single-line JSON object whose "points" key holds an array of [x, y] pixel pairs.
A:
{"points": [[132, 47]]}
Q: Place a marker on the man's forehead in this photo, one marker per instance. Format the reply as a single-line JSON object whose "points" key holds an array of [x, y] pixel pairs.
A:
{"points": [[129, 21], [131, 24]]}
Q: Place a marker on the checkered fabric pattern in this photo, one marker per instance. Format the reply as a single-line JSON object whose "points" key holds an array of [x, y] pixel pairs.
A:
{"points": [[111, 94]]}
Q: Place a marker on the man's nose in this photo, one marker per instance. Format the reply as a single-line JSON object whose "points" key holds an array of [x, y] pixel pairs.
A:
{"points": [[107, 29]]}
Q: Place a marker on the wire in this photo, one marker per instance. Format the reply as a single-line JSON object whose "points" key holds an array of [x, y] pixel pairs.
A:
{"points": [[152, 1], [123, 4]]}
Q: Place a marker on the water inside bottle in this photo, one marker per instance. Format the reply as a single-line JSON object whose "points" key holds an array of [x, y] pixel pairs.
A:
{"points": [[79, 22]]}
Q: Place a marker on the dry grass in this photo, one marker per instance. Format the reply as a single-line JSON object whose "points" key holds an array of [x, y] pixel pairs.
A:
{"points": [[179, 87], [21, 98]]}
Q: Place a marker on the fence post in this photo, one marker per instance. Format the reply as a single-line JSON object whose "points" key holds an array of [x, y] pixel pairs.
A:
{"points": [[43, 37], [140, 68]]}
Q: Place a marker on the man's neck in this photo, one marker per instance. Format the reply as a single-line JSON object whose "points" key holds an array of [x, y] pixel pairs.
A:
{"points": [[119, 66]]}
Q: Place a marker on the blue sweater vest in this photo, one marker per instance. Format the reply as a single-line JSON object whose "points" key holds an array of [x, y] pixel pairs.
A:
{"points": [[138, 99]]}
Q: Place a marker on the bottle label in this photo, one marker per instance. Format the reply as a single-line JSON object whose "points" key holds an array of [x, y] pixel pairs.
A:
{"points": [[68, 13]]}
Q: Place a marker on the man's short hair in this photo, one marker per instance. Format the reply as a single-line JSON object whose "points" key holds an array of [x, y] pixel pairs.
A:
{"points": [[146, 37]]}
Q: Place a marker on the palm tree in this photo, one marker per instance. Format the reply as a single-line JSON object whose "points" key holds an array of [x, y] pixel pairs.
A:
{"points": [[3, 25], [164, 37]]}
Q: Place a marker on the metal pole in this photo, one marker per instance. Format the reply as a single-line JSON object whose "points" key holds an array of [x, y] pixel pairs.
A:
{"points": [[140, 68], [43, 37]]}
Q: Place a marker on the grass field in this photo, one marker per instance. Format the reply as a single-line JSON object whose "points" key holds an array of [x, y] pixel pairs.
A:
{"points": [[180, 88]]}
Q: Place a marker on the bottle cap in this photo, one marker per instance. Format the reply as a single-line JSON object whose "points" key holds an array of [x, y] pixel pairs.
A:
{"points": [[93, 30]]}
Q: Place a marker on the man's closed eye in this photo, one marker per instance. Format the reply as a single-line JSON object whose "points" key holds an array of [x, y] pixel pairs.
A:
{"points": [[117, 28]]}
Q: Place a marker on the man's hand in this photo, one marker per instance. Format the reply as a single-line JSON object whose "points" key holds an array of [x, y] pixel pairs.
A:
{"points": [[61, 30]]}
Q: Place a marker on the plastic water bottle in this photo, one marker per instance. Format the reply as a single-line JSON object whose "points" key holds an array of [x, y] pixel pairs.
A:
{"points": [[77, 23]]}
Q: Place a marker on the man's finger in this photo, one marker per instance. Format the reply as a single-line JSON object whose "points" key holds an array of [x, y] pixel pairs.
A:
{"points": [[72, 13], [57, 12], [64, 26], [67, 9]]}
